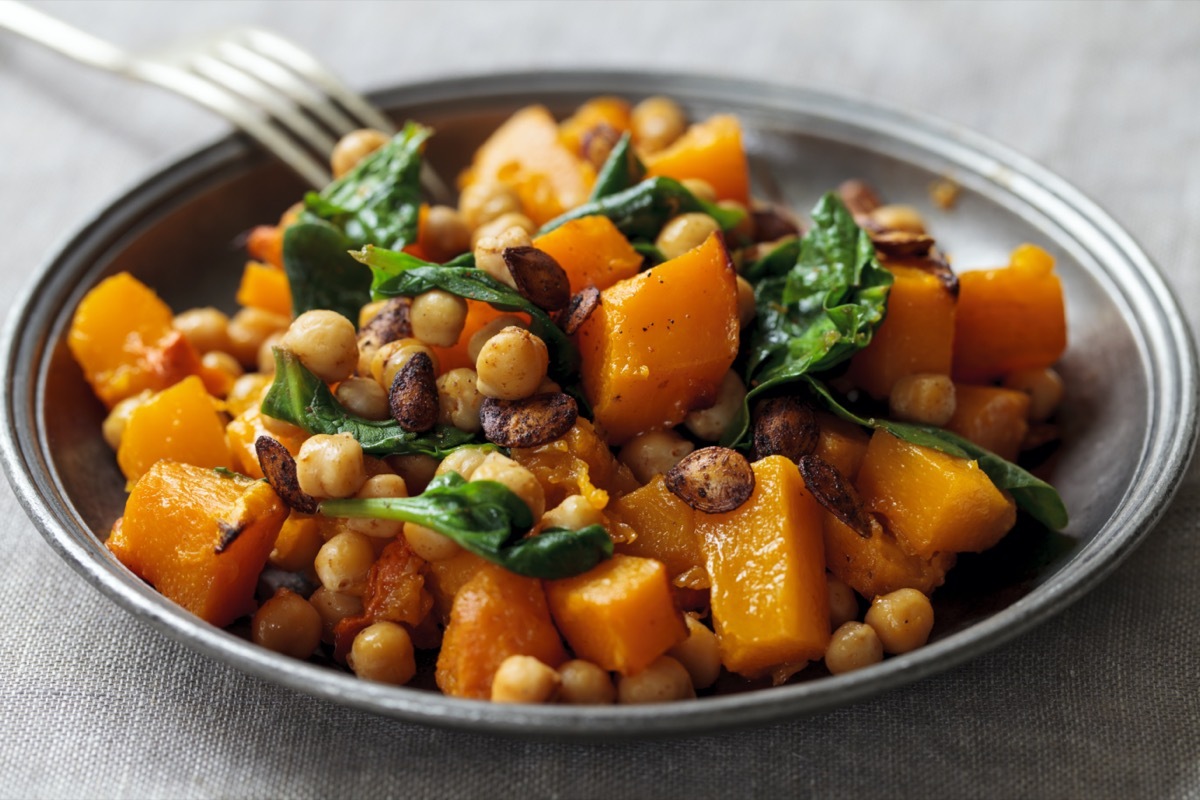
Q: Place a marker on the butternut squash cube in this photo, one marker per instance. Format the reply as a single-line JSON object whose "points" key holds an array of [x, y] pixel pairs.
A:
{"points": [[993, 418], [932, 502], [243, 431], [916, 336], [578, 462], [660, 342], [770, 597], [619, 614], [711, 151], [1009, 319], [177, 424], [664, 528], [592, 251], [175, 519], [878, 565], [456, 356], [444, 579], [842, 444], [596, 114], [496, 614], [266, 287]]}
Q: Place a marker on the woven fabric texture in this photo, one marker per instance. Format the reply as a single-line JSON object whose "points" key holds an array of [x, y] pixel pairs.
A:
{"points": [[1102, 701]]}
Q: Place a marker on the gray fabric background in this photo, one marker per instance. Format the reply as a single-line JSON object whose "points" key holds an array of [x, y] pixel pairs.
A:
{"points": [[1103, 701]]}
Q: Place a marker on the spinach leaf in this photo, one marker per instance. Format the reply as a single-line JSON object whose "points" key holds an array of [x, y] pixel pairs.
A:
{"points": [[377, 202], [301, 398], [321, 273], [778, 262], [621, 170], [818, 313], [651, 255], [641, 210], [400, 274], [1032, 494], [487, 519]]}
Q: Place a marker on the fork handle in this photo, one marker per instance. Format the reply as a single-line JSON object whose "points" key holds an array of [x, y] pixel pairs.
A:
{"points": [[61, 37]]}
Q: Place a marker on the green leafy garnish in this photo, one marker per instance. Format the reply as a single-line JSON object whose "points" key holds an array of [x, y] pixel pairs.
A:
{"points": [[641, 210], [400, 274], [1031, 494], [321, 273], [622, 169], [820, 311], [301, 398], [489, 520]]}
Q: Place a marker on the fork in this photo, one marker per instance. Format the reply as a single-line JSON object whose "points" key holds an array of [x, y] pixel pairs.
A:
{"points": [[264, 84]]}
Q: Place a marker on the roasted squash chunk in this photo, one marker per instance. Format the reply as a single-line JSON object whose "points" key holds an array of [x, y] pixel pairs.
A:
{"points": [[266, 287], [243, 431], [916, 336], [591, 250], [660, 342], [711, 151], [932, 502], [991, 417], [770, 597], [877, 564], [496, 614], [456, 356], [175, 520], [663, 527], [444, 578], [620, 614], [1009, 319], [177, 424], [578, 462], [600, 116], [841, 444]]}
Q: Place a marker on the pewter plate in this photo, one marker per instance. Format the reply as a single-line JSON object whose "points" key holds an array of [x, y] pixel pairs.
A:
{"points": [[1131, 406]]}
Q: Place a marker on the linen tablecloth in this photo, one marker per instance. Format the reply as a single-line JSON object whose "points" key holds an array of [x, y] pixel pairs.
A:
{"points": [[1102, 701]]}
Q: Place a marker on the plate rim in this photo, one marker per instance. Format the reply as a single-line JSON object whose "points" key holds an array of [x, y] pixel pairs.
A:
{"points": [[1172, 375]]}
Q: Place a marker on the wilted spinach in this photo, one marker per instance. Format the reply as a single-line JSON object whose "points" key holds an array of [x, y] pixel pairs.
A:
{"points": [[621, 170], [641, 210]]}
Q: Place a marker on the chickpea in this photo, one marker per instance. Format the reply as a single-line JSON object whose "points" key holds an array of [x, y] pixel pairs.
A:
{"points": [[266, 353], [118, 419], [925, 397], [206, 329], [385, 485], [744, 230], [685, 232], [661, 682], [325, 342], [296, 546], [512, 364], [574, 513], [383, 652], [484, 200], [247, 330], [903, 619], [699, 654], [1044, 387], [490, 230], [710, 423], [246, 392], [843, 603], [429, 544], [333, 608], [853, 646], [520, 481], [394, 355], [747, 305], [898, 218], [459, 399], [657, 122], [446, 233], [463, 461], [287, 624], [700, 189], [417, 470], [370, 311], [437, 317], [343, 562], [584, 683], [224, 364], [364, 397], [654, 453], [489, 253], [481, 336], [353, 148], [330, 466], [524, 679]]}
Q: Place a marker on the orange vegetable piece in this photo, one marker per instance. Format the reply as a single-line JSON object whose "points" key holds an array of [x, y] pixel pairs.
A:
{"points": [[993, 418], [121, 335], [660, 342], [598, 113], [395, 593], [243, 431], [444, 578], [842, 444], [578, 462], [592, 251], [177, 424], [916, 336], [496, 614], [526, 153], [664, 528], [878, 564], [770, 596], [620, 614], [933, 502], [266, 287], [711, 151], [1009, 319], [174, 521], [265, 243]]}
